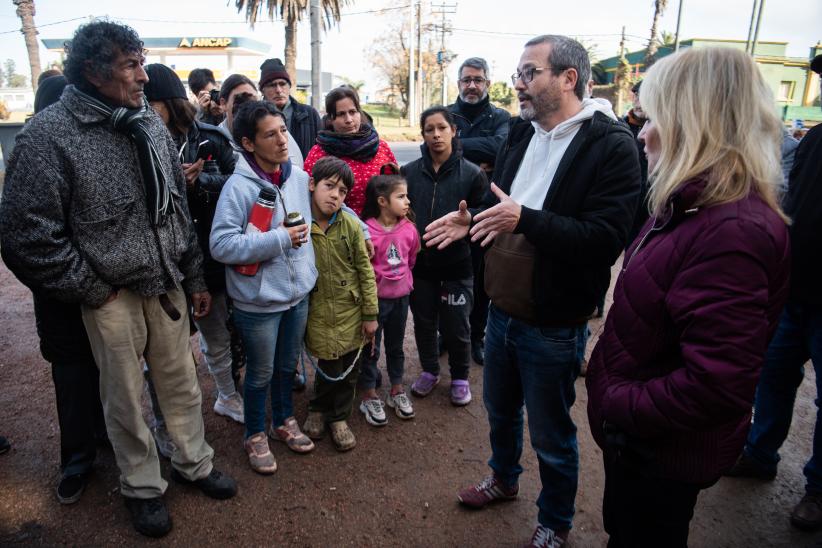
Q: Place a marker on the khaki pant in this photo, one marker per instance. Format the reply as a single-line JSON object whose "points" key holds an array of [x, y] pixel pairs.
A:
{"points": [[121, 333]]}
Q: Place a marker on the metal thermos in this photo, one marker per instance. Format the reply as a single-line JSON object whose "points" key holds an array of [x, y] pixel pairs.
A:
{"points": [[259, 221]]}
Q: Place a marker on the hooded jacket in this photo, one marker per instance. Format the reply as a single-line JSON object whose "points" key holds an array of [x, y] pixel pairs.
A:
{"points": [[73, 219], [286, 275], [583, 224], [434, 194]]}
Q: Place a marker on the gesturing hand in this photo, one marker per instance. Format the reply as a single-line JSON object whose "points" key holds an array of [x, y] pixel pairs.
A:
{"points": [[448, 228], [502, 218]]}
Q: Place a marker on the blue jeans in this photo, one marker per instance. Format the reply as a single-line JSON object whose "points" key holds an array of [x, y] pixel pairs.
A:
{"points": [[273, 342], [536, 366], [797, 339]]}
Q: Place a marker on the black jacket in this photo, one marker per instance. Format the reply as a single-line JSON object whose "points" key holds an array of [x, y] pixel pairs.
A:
{"points": [[803, 205], [433, 195], [582, 227], [202, 197], [481, 135], [305, 123]]}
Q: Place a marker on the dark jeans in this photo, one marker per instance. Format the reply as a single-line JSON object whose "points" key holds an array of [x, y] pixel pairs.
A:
{"points": [[64, 343], [479, 312], [536, 367], [335, 400], [797, 339], [447, 305], [645, 512], [273, 342], [393, 314]]}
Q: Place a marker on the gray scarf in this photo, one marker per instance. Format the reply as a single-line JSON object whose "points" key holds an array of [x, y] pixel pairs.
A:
{"points": [[132, 122]]}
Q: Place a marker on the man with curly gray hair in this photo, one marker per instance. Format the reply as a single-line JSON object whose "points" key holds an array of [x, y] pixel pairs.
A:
{"points": [[94, 212]]}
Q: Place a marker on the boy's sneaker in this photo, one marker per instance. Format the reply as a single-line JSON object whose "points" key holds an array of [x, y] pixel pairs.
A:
{"points": [[314, 425], [547, 538], [488, 490], [424, 384], [231, 407], [374, 412], [401, 405], [71, 488], [163, 440], [259, 455], [342, 435], [460, 393], [289, 433], [149, 516]]}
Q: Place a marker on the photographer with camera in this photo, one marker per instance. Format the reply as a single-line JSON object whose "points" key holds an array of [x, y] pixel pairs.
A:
{"points": [[202, 84]]}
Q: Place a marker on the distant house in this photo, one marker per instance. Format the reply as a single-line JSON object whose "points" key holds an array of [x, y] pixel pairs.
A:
{"points": [[18, 99], [795, 87]]}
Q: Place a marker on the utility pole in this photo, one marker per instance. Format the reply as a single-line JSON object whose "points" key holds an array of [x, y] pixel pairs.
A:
{"points": [[678, 21], [412, 87], [620, 73], [756, 32], [443, 57], [751, 28], [418, 68], [316, 60]]}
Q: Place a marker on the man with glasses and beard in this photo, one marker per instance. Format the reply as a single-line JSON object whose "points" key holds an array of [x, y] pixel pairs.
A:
{"points": [[566, 185], [481, 128]]}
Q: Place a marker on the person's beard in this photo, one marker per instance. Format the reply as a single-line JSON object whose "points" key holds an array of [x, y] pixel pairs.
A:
{"points": [[473, 99], [540, 106]]}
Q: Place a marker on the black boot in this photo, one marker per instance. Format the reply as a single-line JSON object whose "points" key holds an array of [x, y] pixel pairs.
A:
{"points": [[149, 516], [478, 351], [215, 485]]}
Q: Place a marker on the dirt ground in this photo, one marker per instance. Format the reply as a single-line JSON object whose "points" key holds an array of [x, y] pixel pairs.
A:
{"points": [[397, 488]]}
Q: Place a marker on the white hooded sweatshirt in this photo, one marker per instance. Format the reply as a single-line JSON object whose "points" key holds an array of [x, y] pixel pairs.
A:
{"points": [[545, 151]]}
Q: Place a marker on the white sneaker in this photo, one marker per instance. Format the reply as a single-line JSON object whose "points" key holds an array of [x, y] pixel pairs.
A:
{"points": [[401, 405], [374, 412], [230, 406]]}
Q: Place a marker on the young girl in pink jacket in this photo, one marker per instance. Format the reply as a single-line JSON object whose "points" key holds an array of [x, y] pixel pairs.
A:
{"points": [[396, 241]]}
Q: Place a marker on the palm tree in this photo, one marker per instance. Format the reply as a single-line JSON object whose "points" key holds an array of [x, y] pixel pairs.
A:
{"points": [[25, 11], [291, 12], [650, 53]]}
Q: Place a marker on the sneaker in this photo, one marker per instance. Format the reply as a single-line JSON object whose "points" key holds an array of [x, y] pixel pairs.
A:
{"points": [[424, 384], [259, 455], [460, 393], [71, 488], [342, 435], [747, 467], [547, 538], [215, 485], [807, 515], [299, 382], [289, 432], [478, 351], [314, 425], [231, 407], [162, 438], [486, 491], [149, 516], [374, 412], [401, 405], [4, 445]]}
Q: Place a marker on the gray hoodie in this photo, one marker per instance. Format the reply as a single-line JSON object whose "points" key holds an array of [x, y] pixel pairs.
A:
{"points": [[286, 275]]}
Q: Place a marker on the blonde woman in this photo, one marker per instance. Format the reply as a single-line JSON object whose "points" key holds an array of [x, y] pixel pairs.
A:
{"points": [[671, 381]]}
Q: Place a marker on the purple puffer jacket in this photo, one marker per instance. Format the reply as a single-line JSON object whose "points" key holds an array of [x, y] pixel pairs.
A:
{"points": [[695, 306]]}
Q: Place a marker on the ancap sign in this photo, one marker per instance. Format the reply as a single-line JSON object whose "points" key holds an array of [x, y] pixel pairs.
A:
{"points": [[205, 43]]}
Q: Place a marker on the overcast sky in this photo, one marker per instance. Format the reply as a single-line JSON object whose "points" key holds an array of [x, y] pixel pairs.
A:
{"points": [[491, 29]]}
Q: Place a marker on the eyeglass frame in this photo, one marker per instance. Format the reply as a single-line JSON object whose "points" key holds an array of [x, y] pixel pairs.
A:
{"points": [[520, 74], [476, 80]]}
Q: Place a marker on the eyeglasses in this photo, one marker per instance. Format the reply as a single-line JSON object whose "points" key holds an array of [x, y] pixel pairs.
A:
{"points": [[477, 81], [528, 74]]}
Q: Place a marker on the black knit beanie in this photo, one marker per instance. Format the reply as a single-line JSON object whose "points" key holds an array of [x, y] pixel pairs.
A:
{"points": [[163, 83], [49, 92], [273, 69]]}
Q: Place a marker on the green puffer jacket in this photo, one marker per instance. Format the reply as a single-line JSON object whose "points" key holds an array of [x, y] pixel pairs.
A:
{"points": [[346, 290]]}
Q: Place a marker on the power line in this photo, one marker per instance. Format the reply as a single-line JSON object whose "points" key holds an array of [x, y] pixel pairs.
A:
{"points": [[49, 24]]}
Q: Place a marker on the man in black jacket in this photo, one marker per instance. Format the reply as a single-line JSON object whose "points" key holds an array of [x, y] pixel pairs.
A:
{"points": [[303, 121], [566, 186], [481, 128], [798, 337]]}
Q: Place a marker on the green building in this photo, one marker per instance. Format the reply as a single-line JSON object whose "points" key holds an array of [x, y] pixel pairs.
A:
{"points": [[795, 87]]}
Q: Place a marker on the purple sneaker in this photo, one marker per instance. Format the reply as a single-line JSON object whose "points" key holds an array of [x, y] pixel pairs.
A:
{"points": [[460, 393], [424, 384]]}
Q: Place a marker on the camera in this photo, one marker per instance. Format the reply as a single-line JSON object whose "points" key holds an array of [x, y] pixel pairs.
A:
{"points": [[214, 95]]}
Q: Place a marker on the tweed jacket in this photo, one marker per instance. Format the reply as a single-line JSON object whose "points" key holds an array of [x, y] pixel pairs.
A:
{"points": [[74, 221]]}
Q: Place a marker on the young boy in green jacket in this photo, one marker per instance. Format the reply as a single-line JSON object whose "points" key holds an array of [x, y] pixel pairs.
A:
{"points": [[342, 313]]}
